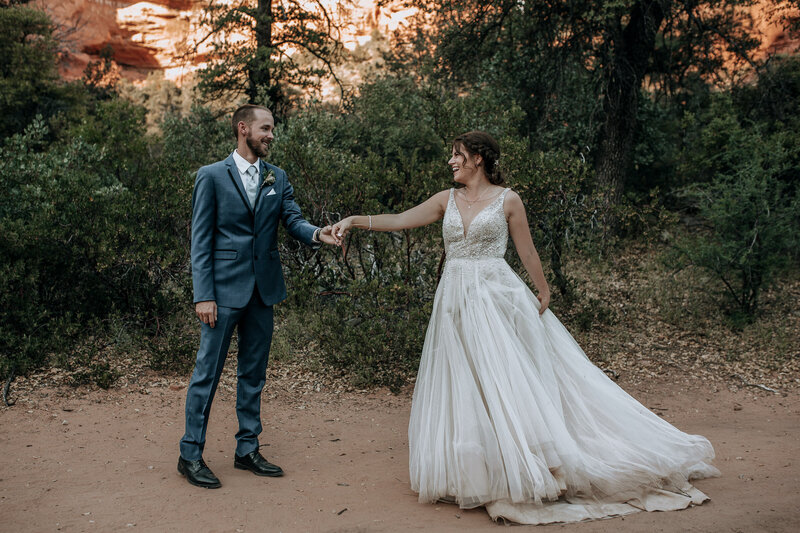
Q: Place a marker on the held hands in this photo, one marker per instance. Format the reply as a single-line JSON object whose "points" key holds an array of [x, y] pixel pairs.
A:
{"points": [[326, 236], [341, 229], [207, 312]]}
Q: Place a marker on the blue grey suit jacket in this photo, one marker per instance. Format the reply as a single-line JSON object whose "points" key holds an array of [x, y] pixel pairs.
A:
{"points": [[235, 247]]}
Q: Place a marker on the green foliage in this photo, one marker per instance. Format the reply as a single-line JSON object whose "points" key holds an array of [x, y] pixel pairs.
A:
{"points": [[371, 333], [751, 209], [754, 227], [173, 346], [556, 189], [588, 312], [657, 152], [160, 97], [775, 97], [380, 340], [88, 367], [27, 68], [40, 269], [576, 69], [94, 228]]}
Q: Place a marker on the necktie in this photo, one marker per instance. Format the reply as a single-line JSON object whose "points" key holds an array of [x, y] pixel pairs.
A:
{"points": [[252, 184]]}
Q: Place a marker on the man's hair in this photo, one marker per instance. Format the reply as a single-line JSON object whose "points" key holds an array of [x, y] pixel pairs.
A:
{"points": [[246, 114]]}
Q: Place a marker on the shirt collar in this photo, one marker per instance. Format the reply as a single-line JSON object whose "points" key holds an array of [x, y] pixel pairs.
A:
{"points": [[243, 164]]}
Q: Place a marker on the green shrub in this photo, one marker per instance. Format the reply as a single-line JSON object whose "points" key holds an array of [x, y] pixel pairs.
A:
{"points": [[375, 332], [561, 208], [172, 349], [753, 230], [751, 212], [94, 227]]}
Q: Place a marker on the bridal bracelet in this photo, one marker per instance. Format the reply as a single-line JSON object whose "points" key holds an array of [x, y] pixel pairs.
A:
{"points": [[370, 223]]}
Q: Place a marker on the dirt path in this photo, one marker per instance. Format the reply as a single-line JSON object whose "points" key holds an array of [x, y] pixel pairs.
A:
{"points": [[105, 461]]}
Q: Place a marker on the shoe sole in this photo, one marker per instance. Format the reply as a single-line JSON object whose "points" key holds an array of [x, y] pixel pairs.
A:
{"points": [[195, 483], [242, 467]]}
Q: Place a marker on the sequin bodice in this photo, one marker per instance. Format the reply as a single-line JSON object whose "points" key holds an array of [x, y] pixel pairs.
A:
{"points": [[486, 236]]}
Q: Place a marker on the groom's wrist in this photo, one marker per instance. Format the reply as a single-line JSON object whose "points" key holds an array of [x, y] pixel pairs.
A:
{"points": [[315, 236]]}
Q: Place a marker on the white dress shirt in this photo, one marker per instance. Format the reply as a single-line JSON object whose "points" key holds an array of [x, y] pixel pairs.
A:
{"points": [[243, 165]]}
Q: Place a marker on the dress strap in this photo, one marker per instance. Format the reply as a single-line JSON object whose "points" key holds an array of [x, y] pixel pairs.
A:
{"points": [[450, 201], [503, 195]]}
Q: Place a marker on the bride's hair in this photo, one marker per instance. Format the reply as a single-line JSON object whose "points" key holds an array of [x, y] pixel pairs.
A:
{"points": [[483, 144]]}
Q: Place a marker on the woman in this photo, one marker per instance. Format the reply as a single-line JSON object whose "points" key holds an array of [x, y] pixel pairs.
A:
{"points": [[508, 412]]}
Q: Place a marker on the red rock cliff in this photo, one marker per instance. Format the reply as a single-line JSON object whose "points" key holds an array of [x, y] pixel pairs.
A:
{"points": [[156, 35]]}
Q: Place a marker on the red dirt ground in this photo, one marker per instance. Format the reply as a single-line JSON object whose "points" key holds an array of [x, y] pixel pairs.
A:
{"points": [[106, 461]]}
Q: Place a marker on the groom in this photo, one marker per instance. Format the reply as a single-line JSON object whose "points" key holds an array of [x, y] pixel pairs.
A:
{"points": [[236, 272]]}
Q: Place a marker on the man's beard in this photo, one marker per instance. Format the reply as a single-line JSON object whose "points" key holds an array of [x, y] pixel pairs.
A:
{"points": [[257, 147]]}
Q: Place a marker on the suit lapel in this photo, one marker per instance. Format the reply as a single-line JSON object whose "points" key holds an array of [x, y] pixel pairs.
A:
{"points": [[262, 171], [233, 173]]}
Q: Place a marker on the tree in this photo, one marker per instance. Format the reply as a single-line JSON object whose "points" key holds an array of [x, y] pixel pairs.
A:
{"points": [[577, 67], [631, 48], [267, 48], [28, 72]]}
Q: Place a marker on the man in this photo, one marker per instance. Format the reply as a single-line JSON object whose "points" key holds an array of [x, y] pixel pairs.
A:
{"points": [[236, 273]]}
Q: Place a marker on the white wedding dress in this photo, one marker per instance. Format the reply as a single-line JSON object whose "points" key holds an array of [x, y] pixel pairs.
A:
{"points": [[509, 413]]}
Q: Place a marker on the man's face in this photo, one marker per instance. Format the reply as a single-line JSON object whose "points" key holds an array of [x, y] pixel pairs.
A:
{"points": [[261, 132]]}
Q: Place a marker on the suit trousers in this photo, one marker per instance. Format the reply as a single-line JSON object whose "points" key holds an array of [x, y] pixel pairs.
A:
{"points": [[254, 323]]}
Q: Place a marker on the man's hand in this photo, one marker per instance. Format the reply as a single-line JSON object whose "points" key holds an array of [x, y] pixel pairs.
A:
{"points": [[326, 236], [207, 312]]}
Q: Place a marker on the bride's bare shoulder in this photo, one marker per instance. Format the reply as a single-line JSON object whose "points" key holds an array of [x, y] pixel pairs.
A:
{"points": [[511, 195], [441, 197], [512, 202]]}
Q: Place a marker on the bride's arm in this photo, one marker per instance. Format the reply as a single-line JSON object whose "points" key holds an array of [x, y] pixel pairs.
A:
{"points": [[521, 235], [425, 213]]}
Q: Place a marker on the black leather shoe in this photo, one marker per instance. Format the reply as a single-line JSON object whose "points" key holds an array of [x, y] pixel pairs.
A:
{"points": [[255, 463], [197, 473]]}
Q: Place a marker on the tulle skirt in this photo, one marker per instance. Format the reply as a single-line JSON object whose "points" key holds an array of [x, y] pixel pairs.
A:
{"points": [[508, 412]]}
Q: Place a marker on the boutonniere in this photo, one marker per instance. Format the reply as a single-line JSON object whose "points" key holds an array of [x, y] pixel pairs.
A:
{"points": [[269, 179]]}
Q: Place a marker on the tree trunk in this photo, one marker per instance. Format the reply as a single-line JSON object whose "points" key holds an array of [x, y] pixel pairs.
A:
{"points": [[259, 74], [631, 52]]}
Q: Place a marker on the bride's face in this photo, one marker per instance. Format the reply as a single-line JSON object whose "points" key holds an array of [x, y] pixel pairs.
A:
{"points": [[463, 164]]}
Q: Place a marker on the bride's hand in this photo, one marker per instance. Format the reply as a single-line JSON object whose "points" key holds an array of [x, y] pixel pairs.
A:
{"points": [[544, 300], [341, 228]]}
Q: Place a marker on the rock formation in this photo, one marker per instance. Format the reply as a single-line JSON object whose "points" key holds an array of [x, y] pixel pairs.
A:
{"points": [[157, 35]]}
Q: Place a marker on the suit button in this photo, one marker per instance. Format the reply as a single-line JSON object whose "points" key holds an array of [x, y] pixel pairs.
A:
{"points": [[256, 257]]}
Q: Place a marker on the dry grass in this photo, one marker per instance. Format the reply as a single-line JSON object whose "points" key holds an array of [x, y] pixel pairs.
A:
{"points": [[663, 320]]}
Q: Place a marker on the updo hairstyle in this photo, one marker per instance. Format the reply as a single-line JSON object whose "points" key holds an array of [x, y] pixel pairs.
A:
{"points": [[483, 144]]}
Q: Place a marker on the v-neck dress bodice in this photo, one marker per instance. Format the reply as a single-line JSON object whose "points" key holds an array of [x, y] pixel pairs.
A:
{"points": [[485, 237]]}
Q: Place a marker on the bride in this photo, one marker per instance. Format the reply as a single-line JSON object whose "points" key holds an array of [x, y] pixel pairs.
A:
{"points": [[508, 412]]}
